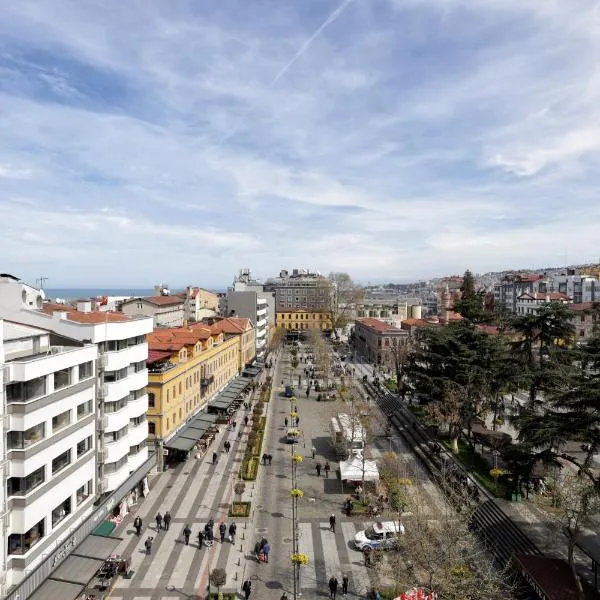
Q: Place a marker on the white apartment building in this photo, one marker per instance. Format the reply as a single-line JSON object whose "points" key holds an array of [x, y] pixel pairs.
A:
{"points": [[247, 299], [47, 446], [121, 425], [530, 302]]}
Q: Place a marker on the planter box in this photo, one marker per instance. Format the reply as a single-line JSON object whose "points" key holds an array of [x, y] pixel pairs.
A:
{"points": [[240, 509], [249, 468]]}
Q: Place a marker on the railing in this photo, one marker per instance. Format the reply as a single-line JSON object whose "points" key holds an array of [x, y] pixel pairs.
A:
{"points": [[66, 546]]}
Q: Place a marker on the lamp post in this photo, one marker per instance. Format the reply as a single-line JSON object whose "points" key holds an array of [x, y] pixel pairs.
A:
{"points": [[295, 565]]}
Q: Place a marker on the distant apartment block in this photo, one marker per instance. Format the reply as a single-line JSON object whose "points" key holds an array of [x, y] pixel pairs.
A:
{"points": [[377, 341], [585, 321], [199, 304], [165, 310], [303, 320], [300, 289]]}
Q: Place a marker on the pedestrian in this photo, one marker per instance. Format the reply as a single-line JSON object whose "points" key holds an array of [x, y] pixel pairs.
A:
{"points": [[314, 452], [240, 434], [284, 596], [333, 585], [266, 549], [200, 539], [264, 458], [270, 458], [167, 520], [367, 554], [186, 534], [234, 424], [327, 468], [222, 531], [214, 458], [159, 520], [137, 525], [286, 421], [308, 391], [318, 468], [247, 588], [377, 595], [232, 532], [257, 549], [297, 421], [332, 523], [148, 544], [246, 420], [345, 585]]}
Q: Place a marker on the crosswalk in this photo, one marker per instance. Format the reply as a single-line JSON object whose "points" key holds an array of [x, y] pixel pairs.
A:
{"points": [[177, 568]]}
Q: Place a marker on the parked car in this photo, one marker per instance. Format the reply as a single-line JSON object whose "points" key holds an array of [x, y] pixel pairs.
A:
{"points": [[289, 391], [379, 536]]}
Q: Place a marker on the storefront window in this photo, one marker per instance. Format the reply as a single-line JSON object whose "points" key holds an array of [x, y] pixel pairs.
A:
{"points": [[20, 543]]}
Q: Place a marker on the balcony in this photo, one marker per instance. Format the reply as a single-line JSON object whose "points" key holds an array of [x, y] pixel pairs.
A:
{"points": [[120, 359], [158, 369], [116, 450], [137, 407], [135, 461], [139, 433], [117, 420]]}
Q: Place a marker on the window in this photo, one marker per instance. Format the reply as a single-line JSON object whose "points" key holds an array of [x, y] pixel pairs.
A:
{"points": [[581, 333], [84, 409], [115, 466], [19, 486], [115, 436], [167, 395], [84, 446], [133, 450], [137, 393], [137, 420], [20, 543], [19, 440], [174, 392], [62, 378], [86, 370], [27, 390], [112, 376], [116, 345], [83, 492], [150, 400], [61, 511], [117, 405], [180, 387], [152, 428], [61, 461], [61, 421], [139, 366]]}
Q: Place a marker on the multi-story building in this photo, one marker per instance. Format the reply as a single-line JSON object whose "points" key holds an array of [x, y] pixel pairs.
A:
{"points": [[47, 446], [248, 299], [300, 290], [530, 302], [187, 366], [244, 332], [300, 319], [585, 321], [580, 288], [377, 341], [165, 310], [514, 285], [199, 304]]}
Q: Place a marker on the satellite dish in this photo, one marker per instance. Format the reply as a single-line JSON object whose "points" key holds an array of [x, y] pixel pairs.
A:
{"points": [[43, 294]]}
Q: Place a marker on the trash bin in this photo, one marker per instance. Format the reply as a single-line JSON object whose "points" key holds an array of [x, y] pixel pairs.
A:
{"points": [[516, 497]]}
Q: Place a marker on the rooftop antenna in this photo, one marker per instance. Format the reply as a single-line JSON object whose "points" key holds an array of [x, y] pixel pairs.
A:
{"points": [[40, 282]]}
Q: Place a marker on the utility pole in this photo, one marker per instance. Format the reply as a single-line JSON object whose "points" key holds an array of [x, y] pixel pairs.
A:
{"points": [[40, 282]]}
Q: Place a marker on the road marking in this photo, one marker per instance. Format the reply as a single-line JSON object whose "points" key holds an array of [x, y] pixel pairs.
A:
{"points": [[308, 573], [359, 582], [330, 553]]}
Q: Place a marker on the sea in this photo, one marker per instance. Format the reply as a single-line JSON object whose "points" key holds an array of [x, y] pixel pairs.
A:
{"points": [[77, 293]]}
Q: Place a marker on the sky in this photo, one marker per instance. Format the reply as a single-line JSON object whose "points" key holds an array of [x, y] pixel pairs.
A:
{"points": [[150, 141]]}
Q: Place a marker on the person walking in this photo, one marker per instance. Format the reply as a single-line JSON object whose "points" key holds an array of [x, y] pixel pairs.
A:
{"points": [[167, 520], [159, 520], [214, 458], [257, 549], [332, 523], [297, 421], [200, 540], [333, 586], [327, 469], [137, 525], [186, 534], [318, 468], [247, 589], [148, 545], [222, 531], [314, 452], [266, 549], [264, 458], [246, 419], [270, 458], [286, 421], [232, 532], [345, 585]]}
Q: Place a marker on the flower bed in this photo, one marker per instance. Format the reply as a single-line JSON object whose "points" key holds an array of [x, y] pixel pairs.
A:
{"points": [[223, 596], [249, 469], [239, 509]]}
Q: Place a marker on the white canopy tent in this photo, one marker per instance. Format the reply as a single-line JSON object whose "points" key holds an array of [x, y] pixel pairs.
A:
{"points": [[352, 469]]}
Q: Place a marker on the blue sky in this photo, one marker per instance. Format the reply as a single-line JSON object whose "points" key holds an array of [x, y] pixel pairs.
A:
{"points": [[148, 141]]}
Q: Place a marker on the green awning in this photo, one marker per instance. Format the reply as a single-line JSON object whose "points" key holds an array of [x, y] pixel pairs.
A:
{"points": [[181, 443]]}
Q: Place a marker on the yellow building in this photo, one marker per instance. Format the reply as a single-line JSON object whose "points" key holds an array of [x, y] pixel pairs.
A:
{"points": [[245, 333], [186, 367], [302, 319]]}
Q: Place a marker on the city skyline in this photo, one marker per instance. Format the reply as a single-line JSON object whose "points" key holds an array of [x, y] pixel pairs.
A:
{"points": [[396, 140]]}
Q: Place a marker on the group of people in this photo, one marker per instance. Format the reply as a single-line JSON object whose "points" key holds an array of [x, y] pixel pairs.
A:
{"points": [[162, 522], [267, 458], [334, 584], [326, 468], [262, 548]]}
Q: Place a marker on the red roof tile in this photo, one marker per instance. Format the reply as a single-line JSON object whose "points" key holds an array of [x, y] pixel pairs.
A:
{"points": [[85, 317], [378, 325], [156, 355]]}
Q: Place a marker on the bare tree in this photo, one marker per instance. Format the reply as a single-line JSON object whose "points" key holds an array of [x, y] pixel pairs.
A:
{"points": [[275, 340], [344, 296], [449, 410], [578, 500]]}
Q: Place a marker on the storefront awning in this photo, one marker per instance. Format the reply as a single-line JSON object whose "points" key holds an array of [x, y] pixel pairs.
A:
{"points": [[56, 590], [180, 443]]}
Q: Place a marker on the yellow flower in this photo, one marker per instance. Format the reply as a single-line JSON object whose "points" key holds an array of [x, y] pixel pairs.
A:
{"points": [[301, 559], [293, 414], [495, 473], [297, 458], [296, 493]]}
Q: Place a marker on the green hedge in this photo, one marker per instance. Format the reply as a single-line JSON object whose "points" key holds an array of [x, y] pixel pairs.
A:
{"points": [[223, 596], [249, 468], [242, 505]]}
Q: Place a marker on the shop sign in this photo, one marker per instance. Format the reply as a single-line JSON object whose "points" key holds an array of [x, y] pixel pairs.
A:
{"points": [[64, 551]]}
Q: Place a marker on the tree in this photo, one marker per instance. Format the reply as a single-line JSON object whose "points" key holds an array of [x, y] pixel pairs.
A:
{"points": [[399, 354], [344, 296], [275, 339], [579, 499], [470, 305], [239, 488], [218, 578]]}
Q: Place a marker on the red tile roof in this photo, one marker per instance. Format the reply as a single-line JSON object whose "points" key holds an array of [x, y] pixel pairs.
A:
{"points": [[579, 307], [231, 325], [378, 325], [156, 355], [547, 297], [491, 329], [414, 322], [159, 300], [85, 317]]}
